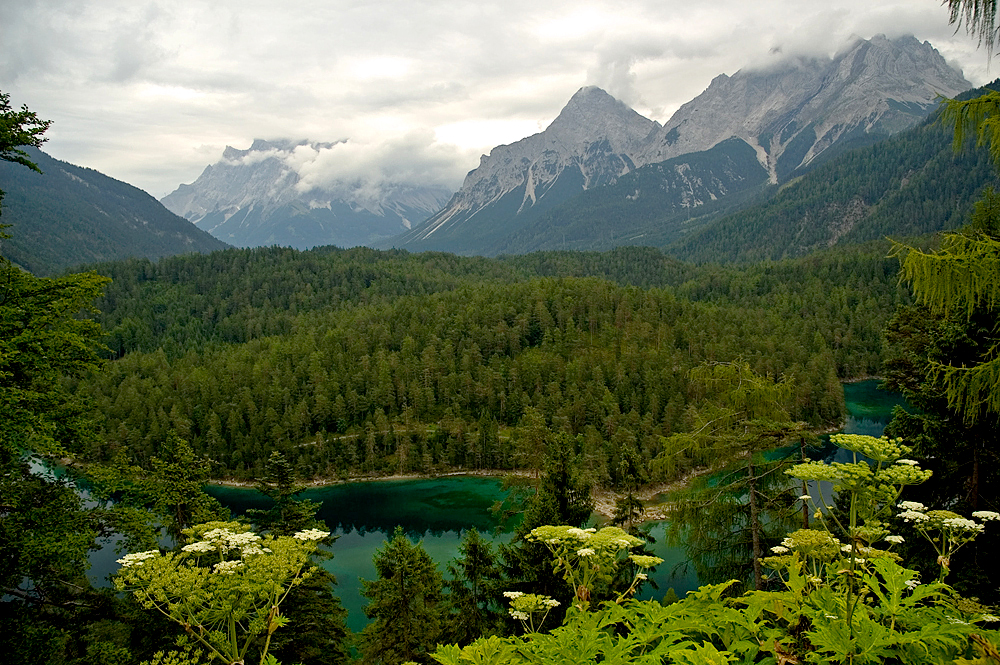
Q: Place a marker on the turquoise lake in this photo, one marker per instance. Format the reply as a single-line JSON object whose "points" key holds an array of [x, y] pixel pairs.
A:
{"points": [[437, 511]]}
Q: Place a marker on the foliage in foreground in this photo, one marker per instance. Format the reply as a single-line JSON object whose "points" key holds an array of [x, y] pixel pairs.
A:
{"points": [[837, 602], [225, 587]]}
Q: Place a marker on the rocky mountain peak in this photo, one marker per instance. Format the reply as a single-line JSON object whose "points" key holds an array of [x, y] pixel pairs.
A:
{"points": [[592, 113], [592, 141], [788, 111], [796, 108], [255, 197]]}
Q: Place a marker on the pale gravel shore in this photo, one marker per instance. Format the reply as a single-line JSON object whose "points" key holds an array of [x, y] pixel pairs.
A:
{"points": [[604, 499], [326, 482]]}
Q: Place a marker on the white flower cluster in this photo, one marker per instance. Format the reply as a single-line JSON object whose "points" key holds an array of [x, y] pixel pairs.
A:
{"points": [[895, 540], [805, 497], [986, 515], [585, 551], [226, 539], [912, 584], [227, 567], [912, 505], [582, 534], [644, 561], [523, 605], [200, 547], [311, 534], [963, 524], [137, 558], [780, 549], [908, 462], [913, 516]]}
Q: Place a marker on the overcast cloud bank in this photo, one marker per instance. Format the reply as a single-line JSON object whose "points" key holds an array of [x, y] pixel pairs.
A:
{"points": [[151, 92]]}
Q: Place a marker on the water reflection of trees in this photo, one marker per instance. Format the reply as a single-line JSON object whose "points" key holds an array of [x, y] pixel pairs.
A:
{"points": [[421, 507]]}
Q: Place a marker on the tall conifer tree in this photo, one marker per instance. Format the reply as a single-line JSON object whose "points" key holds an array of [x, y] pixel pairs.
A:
{"points": [[405, 605]]}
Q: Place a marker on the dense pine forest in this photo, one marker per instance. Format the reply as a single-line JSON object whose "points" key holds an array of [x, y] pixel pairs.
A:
{"points": [[358, 362]]}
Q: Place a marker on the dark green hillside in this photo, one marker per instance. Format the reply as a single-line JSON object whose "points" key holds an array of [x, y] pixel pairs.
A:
{"points": [[182, 302], [908, 185], [71, 215]]}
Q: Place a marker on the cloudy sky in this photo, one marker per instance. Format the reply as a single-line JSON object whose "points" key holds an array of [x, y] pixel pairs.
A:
{"points": [[150, 92]]}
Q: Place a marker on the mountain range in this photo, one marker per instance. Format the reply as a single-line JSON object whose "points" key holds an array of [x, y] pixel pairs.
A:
{"points": [[789, 117], [766, 163], [257, 197]]}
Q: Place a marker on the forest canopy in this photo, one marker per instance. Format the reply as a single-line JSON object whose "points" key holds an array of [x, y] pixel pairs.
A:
{"points": [[362, 362]]}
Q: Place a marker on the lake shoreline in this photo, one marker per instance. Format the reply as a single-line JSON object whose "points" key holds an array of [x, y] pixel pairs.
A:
{"points": [[604, 499]]}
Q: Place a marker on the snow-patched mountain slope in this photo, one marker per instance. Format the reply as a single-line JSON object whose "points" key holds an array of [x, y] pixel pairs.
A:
{"points": [[594, 140], [257, 197], [791, 113], [795, 110]]}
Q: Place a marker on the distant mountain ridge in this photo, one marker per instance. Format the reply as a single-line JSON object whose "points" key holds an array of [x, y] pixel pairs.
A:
{"points": [[795, 110], [529, 195], [70, 215], [594, 140], [653, 205], [255, 197], [912, 183]]}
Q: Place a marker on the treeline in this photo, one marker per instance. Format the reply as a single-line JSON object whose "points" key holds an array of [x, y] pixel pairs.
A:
{"points": [[184, 302], [364, 362], [233, 296]]}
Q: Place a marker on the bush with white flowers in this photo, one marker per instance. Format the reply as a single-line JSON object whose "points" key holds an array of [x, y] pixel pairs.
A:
{"points": [[225, 587], [588, 558], [946, 531]]}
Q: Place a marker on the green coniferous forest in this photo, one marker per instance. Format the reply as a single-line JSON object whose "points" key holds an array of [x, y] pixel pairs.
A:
{"points": [[361, 362], [909, 184]]}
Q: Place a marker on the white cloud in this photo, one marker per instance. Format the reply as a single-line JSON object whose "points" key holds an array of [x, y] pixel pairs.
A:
{"points": [[415, 158], [150, 91]]}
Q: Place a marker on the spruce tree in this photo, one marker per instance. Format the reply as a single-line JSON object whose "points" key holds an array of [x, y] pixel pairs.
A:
{"points": [[963, 276], [405, 605], [474, 591], [726, 517]]}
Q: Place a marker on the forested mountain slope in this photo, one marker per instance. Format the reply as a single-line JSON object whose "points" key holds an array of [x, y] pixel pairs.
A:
{"points": [[911, 184], [373, 362], [71, 215]]}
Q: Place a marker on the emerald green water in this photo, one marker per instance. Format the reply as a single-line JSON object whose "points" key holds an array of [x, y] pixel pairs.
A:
{"points": [[869, 409], [437, 511]]}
